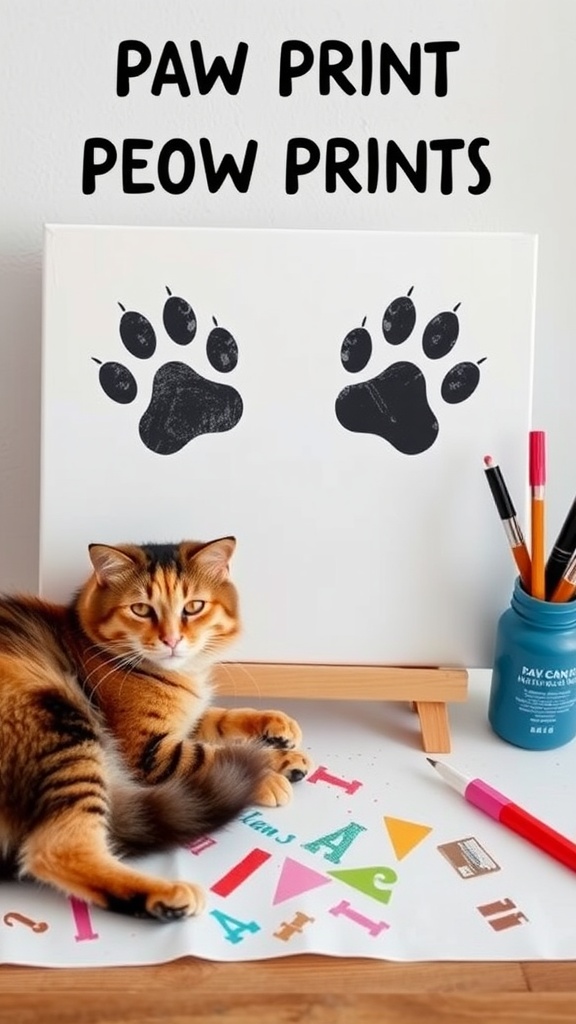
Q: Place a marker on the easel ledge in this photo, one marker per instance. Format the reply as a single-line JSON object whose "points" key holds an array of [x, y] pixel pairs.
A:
{"points": [[428, 690]]}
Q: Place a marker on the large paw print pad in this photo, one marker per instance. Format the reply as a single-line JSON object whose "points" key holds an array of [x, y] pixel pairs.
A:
{"points": [[394, 405], [184, 404]]}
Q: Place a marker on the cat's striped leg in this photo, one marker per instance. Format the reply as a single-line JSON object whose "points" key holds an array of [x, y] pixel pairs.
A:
{"points": [[64, 794], [69, 852]]}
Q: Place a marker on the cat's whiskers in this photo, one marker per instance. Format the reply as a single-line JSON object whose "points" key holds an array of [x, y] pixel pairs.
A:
{"points": [[134, 663], [96, 649], [106, 657], [118, 663], [102, 652], [213, 646], [117, 668], [105, 645]]}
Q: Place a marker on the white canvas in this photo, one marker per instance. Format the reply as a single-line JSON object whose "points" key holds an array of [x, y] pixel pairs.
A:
{"points": [[352, 547]]}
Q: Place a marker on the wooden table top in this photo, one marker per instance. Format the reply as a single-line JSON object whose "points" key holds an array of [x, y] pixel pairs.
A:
{"points": [[289, 990]]}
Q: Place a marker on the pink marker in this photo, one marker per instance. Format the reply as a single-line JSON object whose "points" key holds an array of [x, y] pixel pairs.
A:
{"points": [[504, 810], [537, 488]]}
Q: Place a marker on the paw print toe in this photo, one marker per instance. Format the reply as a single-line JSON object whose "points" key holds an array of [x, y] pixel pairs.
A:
{"points": [[356, 349], [179, 319], [441, 334], [117, 382], [221, 349], [399, 319], [137, 334], [460, 382]]}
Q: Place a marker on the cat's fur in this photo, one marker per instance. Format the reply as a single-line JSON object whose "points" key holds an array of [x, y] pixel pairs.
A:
{"points": [[108, 744]]}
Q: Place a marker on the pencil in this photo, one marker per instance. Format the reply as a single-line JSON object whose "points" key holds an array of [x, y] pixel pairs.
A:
{"points": [[507, 513], [537, 470], [567, 586]]}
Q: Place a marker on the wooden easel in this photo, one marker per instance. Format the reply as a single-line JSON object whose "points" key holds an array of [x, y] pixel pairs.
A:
{"points": [[428, 690]]}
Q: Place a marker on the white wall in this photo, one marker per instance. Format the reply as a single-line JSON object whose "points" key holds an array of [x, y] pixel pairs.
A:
{"points": [[513, 81]]}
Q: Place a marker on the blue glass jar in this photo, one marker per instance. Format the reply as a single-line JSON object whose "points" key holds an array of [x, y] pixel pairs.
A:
{"points": [[533, 690]]}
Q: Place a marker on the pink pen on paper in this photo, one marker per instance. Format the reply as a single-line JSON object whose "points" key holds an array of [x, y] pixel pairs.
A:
{"points": [[504, 810]]}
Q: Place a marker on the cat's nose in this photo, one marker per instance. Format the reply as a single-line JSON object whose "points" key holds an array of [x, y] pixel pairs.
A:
{"points": [[171, 640]]}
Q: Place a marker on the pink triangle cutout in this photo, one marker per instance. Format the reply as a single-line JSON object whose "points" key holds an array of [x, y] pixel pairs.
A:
{"points": [[295, 879]]}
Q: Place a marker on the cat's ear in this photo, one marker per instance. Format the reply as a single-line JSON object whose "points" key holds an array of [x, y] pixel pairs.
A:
{"points": [[214, 557], [110, 564]]}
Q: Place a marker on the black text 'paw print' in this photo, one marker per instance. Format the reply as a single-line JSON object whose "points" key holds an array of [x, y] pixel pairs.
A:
{"points": [[394, 405], [184, 404]]}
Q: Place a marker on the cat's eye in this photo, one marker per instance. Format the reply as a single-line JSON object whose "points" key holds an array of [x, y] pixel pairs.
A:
{"points": [[143, 611], [193, 607]]}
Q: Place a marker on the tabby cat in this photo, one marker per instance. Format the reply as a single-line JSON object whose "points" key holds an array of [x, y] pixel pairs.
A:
{"points": [[108, 745]]}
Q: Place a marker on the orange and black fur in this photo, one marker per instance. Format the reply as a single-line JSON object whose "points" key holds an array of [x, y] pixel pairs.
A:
{"points": [[108, 745]]}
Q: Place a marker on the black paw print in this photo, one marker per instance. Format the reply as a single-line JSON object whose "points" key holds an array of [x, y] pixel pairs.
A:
{"points": [[394, 405], [183, 404]]}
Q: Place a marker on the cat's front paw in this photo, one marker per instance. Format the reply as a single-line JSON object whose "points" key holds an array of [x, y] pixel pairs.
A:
{"points": [[287, 766], [274, 791], [279, 730], [181, 899]]}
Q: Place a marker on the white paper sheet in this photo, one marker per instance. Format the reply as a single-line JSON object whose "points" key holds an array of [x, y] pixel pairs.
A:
{"points": [[353, 867]]}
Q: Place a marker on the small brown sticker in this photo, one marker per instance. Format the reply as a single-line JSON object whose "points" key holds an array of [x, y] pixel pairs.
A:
{"points": [[468, 858]]}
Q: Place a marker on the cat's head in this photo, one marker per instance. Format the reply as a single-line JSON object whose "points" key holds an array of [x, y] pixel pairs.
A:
{"points": [[172, 604]]}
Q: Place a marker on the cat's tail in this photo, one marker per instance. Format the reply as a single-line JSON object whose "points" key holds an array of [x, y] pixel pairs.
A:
{"points": [[175, 813]]}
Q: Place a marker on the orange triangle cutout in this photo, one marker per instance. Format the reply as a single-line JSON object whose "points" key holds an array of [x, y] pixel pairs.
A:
{"points": [[405, 835]]}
